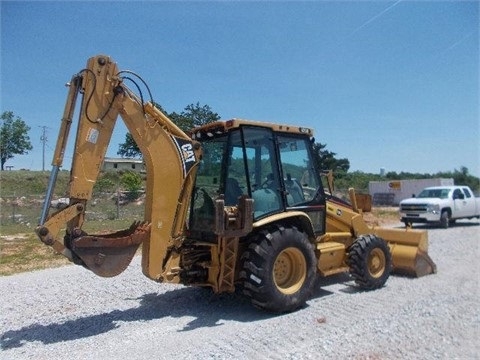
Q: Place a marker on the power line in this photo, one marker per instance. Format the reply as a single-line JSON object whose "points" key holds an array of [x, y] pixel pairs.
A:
{"points": [[44, 140]]}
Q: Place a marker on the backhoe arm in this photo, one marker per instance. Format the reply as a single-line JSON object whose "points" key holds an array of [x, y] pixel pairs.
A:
{"points": [[170, 157]]}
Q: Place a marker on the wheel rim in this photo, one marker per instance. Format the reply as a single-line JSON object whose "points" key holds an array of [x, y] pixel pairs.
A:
{"points": [[290, 270], [376, 263]]}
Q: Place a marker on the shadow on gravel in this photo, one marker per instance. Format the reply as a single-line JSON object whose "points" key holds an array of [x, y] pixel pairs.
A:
{"points": [[207, 309], [343, 280]]}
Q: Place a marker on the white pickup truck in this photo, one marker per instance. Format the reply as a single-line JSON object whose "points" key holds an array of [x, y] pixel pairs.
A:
{"points": [[440, 204]]}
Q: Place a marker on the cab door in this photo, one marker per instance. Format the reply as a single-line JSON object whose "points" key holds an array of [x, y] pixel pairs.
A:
{"points": [[252, 170], [462, 200], [301, 179], [470, 205]]}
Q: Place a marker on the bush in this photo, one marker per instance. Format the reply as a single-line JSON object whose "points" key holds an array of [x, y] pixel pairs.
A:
{"points": [[132, 183], [104, 184]]}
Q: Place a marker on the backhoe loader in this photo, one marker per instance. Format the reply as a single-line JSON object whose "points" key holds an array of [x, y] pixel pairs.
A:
{"points": [[234, 204]]}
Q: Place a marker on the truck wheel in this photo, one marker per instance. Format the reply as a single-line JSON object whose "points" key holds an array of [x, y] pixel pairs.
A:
{"points": [[444, 219], [278, 269], [370, 261]]}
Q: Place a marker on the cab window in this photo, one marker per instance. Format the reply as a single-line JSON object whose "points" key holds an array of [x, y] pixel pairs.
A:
{"points": [[457, 194], [301, 180]]}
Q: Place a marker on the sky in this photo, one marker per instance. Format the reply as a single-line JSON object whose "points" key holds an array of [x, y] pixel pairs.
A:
{"points": [[388, 85]]}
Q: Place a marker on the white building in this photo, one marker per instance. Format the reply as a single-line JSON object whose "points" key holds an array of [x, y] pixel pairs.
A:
{"points": [[116, 164], [393, 191]]}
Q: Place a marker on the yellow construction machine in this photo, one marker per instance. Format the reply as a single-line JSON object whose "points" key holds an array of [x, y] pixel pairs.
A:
{"points": [[231, 205]]}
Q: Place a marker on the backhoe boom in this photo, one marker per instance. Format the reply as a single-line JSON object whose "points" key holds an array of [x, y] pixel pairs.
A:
{"points": [[167, 151]]}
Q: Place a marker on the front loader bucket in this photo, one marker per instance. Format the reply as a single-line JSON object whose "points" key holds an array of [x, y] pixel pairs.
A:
{"points": [[409, 250]]}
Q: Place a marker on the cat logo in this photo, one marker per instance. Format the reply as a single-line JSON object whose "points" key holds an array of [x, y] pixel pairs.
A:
{"points": [[187, 152]]}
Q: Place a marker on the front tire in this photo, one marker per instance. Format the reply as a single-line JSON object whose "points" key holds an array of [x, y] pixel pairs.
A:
{"points": [[279, 269], [370, 262], [445, 219]]}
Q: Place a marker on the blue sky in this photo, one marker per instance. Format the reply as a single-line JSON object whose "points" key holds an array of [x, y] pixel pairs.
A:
{"points": [[385, 84]]}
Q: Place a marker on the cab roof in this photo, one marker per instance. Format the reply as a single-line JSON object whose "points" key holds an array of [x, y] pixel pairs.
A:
{"points": [[224, 126]]}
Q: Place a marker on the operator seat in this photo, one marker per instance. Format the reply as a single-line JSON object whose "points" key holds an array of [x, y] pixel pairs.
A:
{"points": [[294, 189]]}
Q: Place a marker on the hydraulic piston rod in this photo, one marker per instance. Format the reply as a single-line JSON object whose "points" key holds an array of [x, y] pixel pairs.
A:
{"points": [[74, 87]]}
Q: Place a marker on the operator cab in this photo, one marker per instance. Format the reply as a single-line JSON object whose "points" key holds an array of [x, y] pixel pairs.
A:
{"points": [[271, 164]]}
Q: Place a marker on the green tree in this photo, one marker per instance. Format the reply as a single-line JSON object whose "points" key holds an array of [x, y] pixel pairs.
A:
{"points": [[14, 139], [104, 184], [356, 179], [326, 160], [129, 148], [132, 183], [462, 177], [193, 115]]}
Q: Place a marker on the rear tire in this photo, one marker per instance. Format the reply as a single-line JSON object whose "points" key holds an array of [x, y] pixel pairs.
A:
{"points": [[370, 262], [445, 219], [279, 269]]}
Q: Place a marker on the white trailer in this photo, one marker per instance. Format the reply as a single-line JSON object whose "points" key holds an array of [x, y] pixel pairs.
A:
{"points": [[390, 193]]}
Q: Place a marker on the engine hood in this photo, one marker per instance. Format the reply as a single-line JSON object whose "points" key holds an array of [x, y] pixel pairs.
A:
{"points": [[420, 200]]}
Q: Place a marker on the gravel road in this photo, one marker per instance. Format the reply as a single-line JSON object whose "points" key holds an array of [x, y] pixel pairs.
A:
{"points": [[69, 313]]}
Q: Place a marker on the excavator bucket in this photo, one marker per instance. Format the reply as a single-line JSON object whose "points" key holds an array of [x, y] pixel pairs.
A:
{"points": [[409, 250], [109, 255]]}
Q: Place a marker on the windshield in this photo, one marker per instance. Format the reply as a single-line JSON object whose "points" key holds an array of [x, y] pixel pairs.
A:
{"points": [[434, 193]]}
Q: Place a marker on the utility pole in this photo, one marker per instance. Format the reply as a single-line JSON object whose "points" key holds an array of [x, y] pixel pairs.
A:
{"points": [[43, 139]]}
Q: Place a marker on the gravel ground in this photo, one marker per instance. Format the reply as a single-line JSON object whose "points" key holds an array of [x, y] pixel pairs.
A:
{"points": [[69, 313]]}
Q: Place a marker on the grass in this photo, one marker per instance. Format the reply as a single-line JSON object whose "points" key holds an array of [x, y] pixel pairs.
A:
{"points": [[25, 182], [24, 252]]}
